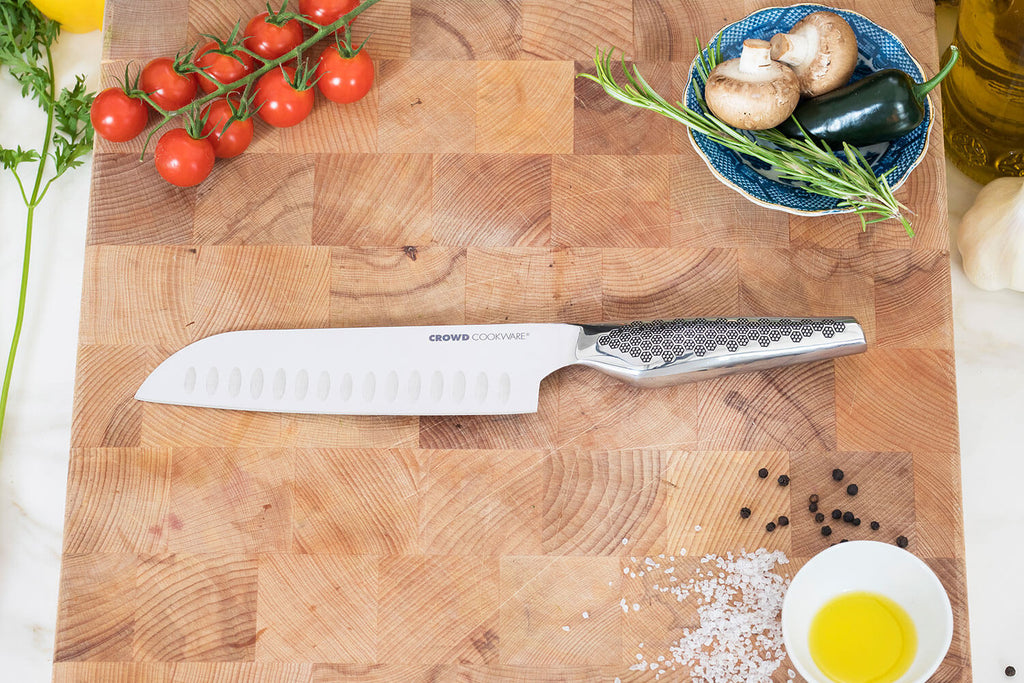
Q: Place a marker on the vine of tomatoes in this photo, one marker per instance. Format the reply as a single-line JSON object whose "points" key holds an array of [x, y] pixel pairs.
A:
{"points": [[221, 86]]}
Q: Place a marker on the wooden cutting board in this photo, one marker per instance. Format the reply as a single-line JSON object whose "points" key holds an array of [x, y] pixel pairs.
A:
{"points": [[480, 182]]}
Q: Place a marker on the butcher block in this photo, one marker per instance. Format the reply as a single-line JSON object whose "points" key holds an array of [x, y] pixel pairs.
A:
{"points": [[481, 181]]}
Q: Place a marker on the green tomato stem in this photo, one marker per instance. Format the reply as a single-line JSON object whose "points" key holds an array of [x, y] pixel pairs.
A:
{"points": [[241, 83]]}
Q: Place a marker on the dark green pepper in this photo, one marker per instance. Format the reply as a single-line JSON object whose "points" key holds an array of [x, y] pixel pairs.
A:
{"points": [[879, 107]]}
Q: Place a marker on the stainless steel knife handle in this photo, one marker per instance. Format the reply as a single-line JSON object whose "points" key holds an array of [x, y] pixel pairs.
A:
{"points": [[665, 352]]}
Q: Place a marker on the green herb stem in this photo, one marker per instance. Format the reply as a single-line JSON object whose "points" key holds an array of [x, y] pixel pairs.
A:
{"points": [[26, 37], [31, 203]]}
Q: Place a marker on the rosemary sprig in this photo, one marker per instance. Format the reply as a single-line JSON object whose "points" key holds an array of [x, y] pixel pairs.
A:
{"points": [[850, 180]]}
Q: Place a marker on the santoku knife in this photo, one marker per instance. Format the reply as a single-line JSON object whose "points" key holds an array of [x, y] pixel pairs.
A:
{"points": [[473, 369]]}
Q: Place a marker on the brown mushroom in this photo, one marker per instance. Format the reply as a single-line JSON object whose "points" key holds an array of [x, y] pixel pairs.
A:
{"points": [[821, 48], [752, 92]]}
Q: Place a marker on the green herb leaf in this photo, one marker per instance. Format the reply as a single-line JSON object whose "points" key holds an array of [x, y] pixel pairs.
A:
{"points": [[73, 133], [25, 38], [10, 158]]}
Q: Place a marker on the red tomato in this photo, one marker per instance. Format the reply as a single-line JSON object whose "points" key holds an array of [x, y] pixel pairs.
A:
{"points": [[224, 68], [270, 41], [280, 104], [118, 117], [326, 12], [344, 79], [228, 142], [167, 86], [183, 160]]}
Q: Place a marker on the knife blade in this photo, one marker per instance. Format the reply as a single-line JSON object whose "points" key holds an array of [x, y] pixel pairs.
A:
{"points": [[473, 369]]}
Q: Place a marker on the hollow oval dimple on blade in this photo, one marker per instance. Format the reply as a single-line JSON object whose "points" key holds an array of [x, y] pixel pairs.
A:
{"points": [[453, 370]]}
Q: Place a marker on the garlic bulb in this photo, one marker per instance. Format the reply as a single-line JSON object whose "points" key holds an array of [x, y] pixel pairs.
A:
{"points": [[991, 237]]}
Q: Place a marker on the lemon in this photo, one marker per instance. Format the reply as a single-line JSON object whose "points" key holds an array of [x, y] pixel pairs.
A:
{"points": [[76, 16]]}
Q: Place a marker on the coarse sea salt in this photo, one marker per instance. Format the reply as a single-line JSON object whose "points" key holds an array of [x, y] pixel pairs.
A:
{"points": [[739, 637]]}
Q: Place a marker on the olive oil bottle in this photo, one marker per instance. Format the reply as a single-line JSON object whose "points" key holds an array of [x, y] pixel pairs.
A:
{"points": [[983, 97]]}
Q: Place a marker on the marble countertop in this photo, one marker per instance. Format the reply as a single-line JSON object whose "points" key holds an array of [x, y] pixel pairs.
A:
{"points": [[989, 329]]}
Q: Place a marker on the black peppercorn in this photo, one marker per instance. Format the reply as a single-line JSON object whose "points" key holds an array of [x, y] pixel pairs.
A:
{"points": [[744, 512], [856, 521], [814, 498], [902, 541], [813, 507], [763, 473], [819, 518], [826, 531], [783, 480], [1010, 671], [852, 489], [837, 514], [875, 526], [783, 520], [770, 526], [837, 474], [848, 517]]}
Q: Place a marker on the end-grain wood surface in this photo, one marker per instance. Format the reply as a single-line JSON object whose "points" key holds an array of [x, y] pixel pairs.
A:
{"points": [[481, 182]]}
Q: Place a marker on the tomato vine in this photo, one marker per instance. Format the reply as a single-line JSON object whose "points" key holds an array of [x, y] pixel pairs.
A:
{"points": [[245, 82]]}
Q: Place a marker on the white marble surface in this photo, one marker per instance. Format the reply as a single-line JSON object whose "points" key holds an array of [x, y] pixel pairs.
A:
{"points": [[36, 438], [34, 451]]}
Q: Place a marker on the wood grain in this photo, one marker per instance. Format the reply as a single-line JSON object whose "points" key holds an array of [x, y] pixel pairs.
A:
{"points": [[122, 212], [571, 30], [120, 503], [199, 608], [423, 285], [524, 107], [482, 181], [487, 29], [492, 200], [147, 304], [372, 200], [316, 607], [532, 284], [280, 213], [427, 106], [596, 203], [603, 126]]}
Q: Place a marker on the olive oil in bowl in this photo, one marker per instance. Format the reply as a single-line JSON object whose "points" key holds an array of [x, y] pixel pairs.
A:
{"points": [[862, 637]]}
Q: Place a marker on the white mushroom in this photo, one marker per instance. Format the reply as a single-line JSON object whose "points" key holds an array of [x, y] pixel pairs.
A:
{"points": [[821, 48], [752, 92]]}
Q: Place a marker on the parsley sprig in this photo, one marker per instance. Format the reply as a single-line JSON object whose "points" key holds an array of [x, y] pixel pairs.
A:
{"points": [[26, 37]]}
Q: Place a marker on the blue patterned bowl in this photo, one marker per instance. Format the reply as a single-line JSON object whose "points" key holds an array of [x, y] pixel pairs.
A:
{"points": [[878, 49]]}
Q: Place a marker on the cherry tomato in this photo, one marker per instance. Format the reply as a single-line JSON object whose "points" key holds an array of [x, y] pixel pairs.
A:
{"points": [[270, 41], [231, 141], [344, 79], [326, 12], [118, 117], [183, 160], [280, 104], [224, 68], [167, 85]]}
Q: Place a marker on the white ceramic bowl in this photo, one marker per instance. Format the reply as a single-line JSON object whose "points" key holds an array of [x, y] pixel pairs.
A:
{"points": [[879, 568]]}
